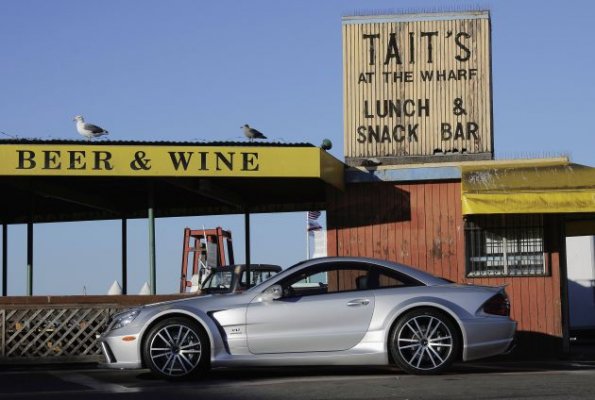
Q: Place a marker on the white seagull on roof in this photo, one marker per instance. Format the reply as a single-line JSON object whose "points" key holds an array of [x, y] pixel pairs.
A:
{"points": [[89, 131], [252, 133]]}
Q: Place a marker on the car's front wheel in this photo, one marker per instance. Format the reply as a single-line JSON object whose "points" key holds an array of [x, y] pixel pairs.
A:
{"points": [[424, 341], [176, 348]]}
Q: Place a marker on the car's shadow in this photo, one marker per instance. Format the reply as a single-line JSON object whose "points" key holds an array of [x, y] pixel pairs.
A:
{"points": [[266, 373], [255, 374]]}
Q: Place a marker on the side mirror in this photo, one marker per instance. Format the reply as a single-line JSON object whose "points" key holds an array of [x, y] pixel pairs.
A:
{"points": [[272, 293]]}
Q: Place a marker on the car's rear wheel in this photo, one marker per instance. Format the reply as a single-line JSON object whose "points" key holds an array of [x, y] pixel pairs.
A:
{"points": [[176, 348], [424, 341]]}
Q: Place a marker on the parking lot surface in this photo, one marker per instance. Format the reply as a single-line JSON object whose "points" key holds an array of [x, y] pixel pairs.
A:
{"points": [[513, 380]]}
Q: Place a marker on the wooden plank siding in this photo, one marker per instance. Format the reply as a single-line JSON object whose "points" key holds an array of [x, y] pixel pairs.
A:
{"points": [[421, 224]]}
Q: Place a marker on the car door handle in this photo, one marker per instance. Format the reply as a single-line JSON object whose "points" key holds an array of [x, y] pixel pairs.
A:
{"points": [[358, 302]]}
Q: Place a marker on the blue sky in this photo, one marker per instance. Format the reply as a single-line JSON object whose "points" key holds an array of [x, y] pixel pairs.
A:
{"points": [[197, 70]]}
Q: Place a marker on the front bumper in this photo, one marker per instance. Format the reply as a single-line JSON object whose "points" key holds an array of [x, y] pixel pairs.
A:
{"points": [[120, 353]]}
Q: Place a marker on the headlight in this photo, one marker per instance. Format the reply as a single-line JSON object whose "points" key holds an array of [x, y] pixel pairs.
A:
{"points": [[123, 319]]}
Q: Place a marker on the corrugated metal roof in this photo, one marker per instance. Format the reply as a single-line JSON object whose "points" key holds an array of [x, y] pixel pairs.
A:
{"points": [[154, 143]]}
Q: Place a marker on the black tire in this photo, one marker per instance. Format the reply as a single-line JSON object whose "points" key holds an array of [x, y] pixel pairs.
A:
{"points": [[176, 349], [422, 351]]}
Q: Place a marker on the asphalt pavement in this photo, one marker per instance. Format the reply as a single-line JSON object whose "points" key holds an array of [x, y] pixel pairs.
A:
{"points": [[486, 380]]}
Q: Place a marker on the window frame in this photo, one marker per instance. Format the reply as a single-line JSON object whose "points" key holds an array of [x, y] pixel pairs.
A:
{"points": [[525, 233], [348, 265]]}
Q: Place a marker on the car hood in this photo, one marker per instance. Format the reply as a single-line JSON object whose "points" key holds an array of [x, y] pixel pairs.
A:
{"points": [[204, 302]]}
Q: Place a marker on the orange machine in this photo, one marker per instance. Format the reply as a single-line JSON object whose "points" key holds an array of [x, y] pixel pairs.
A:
{"points": [[210, 248]]}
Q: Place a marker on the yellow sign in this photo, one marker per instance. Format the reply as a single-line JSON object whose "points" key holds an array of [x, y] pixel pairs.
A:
{"points": [[417, 85], [161, 160]]}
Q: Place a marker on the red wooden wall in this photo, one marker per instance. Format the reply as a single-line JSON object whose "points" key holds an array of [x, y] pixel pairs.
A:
{"points": [[421, 224]]}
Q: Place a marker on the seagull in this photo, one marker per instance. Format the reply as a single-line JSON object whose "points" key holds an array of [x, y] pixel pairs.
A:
{"points": [[89, 131], [252, 133]]}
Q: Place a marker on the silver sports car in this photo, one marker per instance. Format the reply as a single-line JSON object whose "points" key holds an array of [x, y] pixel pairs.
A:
{"points": [[326, 311]]}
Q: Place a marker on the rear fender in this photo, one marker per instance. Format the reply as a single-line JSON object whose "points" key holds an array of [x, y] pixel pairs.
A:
{"points": [[457, 313]]}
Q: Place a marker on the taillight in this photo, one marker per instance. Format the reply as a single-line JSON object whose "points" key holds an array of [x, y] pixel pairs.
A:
{"points": [[497, 305]]}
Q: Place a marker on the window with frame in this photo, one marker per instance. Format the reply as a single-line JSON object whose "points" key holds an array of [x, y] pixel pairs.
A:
{"points": [[343, 277], [504, 245]]}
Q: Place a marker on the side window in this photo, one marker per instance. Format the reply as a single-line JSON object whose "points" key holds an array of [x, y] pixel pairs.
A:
{"points": [[343, 277], [307, 282], [382, 278], [391, 279], [347, 278], [325, 279]]}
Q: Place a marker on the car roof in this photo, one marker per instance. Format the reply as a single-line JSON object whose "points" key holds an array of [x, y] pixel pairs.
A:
{"points": [[417, 274], [261, 267]]}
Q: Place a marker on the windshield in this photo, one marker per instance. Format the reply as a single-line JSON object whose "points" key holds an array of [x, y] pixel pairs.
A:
{"points": [[223, 281], [218, 280]]}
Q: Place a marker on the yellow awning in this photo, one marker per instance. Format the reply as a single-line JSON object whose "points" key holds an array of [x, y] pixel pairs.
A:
{"points": [[525, 187], [103, 159], [62, 180]]}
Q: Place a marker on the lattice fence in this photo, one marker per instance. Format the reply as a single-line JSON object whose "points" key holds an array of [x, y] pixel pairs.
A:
{"points": [[53, 333]]}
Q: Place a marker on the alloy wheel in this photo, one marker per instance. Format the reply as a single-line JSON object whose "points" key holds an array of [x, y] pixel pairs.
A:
{"points": [[175, 350], [425, 342]]}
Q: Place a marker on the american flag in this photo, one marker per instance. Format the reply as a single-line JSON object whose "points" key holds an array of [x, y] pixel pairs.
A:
{"points": [[312, 224], [313, 215]]}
